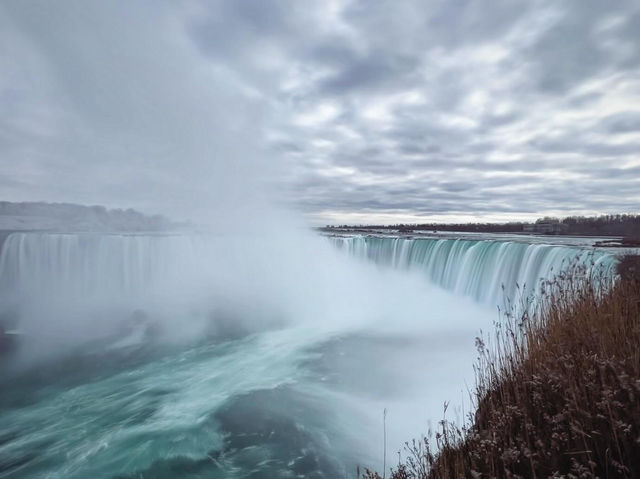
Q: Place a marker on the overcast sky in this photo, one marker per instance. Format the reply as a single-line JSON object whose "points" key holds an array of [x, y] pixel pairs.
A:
{"points": [[351, 111]]}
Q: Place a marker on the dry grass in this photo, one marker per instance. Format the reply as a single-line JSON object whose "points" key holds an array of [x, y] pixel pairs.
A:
{"points": [[557, 391]]}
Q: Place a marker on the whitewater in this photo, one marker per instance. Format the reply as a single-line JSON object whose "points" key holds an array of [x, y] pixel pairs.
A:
{"points": [[201, 355]]}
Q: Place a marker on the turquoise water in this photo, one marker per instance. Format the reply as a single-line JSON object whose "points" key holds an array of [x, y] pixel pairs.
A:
{"points": [[275, 404], [236, 408]]}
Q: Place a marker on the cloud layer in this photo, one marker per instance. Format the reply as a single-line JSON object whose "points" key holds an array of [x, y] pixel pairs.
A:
{"points": [[371, 111]]}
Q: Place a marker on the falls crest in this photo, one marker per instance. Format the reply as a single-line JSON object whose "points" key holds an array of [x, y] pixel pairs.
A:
{"points": [[486, 270]]}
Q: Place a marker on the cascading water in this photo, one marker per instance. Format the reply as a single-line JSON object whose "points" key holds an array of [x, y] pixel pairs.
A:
{"points": [[90, 264], [489, 271], [262, 363]]}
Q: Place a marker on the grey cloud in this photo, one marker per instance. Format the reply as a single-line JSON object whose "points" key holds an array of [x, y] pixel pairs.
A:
{"points": [[568, 52], [425, 108], [573, 51], [368, 72], [442, 23], [623, 122], [606, 173], [584, 147]]}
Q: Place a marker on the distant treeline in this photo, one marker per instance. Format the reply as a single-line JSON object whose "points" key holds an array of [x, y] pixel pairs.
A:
{"points": [[68, 216], [604, 225]]}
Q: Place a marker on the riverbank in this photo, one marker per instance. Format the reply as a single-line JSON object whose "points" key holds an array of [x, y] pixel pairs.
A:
{"points": [[556, 392]]}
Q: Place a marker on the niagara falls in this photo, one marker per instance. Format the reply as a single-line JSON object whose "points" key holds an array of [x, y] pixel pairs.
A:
{"points": [[276, 239]]}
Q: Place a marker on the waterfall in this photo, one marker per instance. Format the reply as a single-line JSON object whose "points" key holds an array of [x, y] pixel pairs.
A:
{"points": [[486, 270], [92, 264]]}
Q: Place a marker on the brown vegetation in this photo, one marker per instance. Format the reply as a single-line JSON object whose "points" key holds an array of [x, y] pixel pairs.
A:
{"points": [[557, 393]]}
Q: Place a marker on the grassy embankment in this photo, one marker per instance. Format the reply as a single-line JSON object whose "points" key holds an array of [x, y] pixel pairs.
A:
{"points": [[557, 392]]}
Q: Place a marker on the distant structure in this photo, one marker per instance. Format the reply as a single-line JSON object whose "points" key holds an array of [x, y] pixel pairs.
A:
{"points": [[626, 225], [546, 227]]}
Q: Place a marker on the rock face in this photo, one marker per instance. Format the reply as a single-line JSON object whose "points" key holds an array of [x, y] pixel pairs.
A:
{"points": [[71, 217]]}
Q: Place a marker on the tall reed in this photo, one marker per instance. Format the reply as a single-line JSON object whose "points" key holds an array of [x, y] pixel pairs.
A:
{"points": [[557, 390]]}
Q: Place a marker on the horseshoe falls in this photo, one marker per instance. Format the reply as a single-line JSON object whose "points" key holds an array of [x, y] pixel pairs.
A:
{"points": [[241, 356], [489, 271]]}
